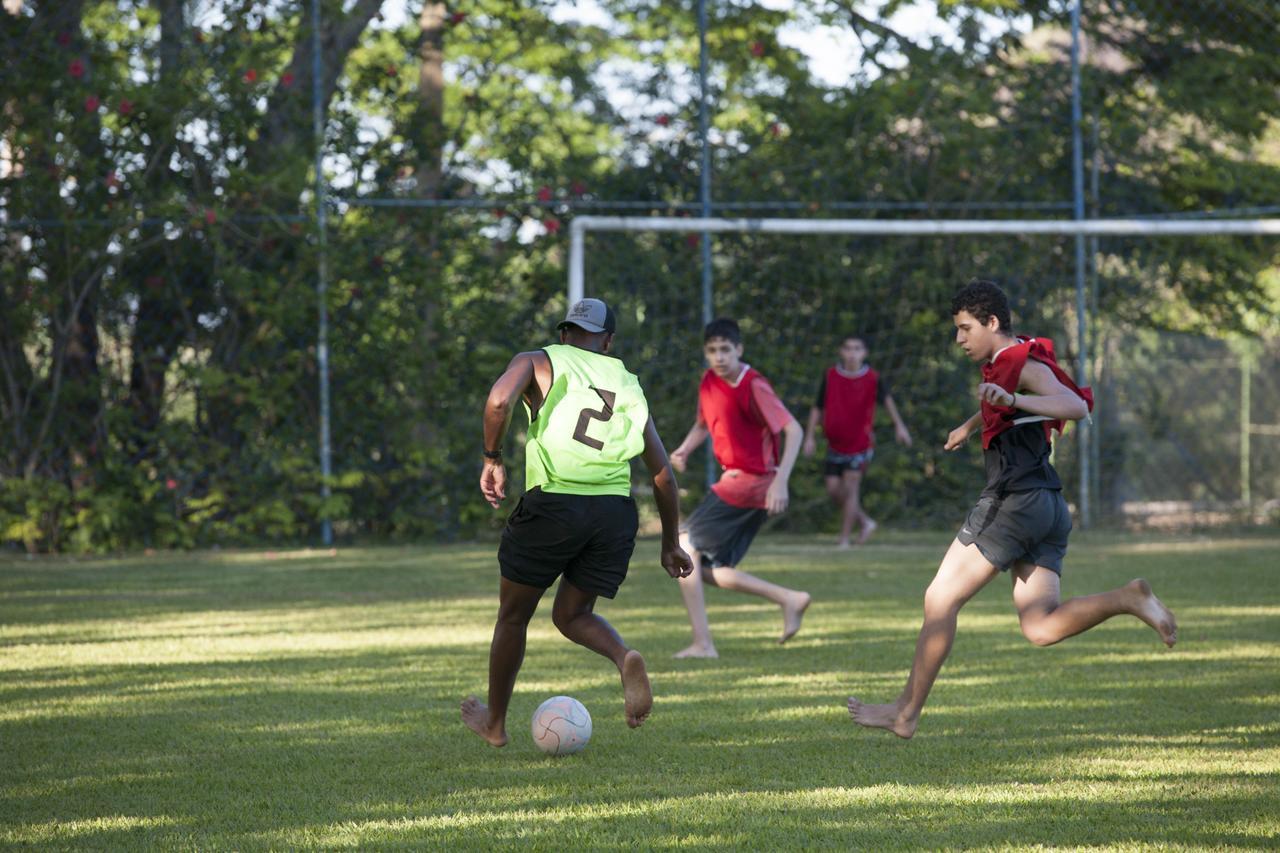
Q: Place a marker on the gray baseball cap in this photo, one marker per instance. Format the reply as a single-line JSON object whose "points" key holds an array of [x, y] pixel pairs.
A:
{"points": [[592, 315]]}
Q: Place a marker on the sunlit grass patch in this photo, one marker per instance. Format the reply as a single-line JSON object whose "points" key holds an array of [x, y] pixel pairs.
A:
{"points": [[302, 699]]}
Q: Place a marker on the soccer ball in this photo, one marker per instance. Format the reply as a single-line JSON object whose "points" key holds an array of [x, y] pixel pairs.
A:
{"points": [[561, 726]]}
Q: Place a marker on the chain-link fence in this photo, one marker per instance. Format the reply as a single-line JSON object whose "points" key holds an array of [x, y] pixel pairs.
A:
{"points": [[162, 262]]}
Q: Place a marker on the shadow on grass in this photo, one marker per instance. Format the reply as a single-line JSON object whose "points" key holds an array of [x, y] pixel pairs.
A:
{"points": [[288, 751]]}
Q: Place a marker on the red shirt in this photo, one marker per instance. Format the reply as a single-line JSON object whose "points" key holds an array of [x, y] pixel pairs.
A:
{"points": [[744, 419], [1005, 369], [848, 403]]}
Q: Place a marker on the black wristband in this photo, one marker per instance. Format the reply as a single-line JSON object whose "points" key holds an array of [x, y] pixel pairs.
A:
{"points": [[493, 454]]}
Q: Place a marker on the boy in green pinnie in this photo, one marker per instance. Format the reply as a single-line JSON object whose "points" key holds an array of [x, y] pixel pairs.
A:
{"points": [[588, 418]]}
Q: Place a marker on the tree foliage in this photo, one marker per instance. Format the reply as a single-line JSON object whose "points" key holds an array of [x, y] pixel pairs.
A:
{"points": [[160, 251]]}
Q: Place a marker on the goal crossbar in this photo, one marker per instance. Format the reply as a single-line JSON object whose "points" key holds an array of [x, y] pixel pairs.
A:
{"points": [[902, 228]]}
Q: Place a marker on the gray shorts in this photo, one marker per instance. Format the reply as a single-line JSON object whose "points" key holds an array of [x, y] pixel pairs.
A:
{"points": [[721, 532], [1030, 527], [838, 463]]}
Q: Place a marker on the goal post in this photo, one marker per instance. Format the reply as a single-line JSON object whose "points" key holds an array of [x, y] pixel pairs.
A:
{"points": [[905, 228], [1141, 228]]}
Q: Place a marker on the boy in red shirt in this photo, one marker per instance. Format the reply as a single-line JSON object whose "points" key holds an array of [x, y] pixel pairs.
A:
{"points": [[738, 409], [846, 405], [1020, 522]]}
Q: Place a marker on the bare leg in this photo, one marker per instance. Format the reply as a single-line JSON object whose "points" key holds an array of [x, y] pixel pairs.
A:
{"points": [[695, 603], [792, 601], [574, 615], [853, 509], [1045, 621], [963, 572], [837, 492], [516, 605]]}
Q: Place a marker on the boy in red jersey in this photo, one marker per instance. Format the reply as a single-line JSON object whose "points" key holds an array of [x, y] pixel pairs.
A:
{"points": [[1020, 522], [846, 406], [738, 409]]}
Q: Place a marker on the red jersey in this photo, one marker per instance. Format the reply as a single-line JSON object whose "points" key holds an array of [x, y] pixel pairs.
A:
{"points": [[1004, 369], [744, 419], [848, 403]]}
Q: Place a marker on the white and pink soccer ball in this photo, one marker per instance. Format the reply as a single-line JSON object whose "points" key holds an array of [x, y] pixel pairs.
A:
{"points": [[561, 726]]}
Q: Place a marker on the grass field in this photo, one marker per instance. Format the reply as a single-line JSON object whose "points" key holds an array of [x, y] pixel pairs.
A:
{"points": [[255, 700]]}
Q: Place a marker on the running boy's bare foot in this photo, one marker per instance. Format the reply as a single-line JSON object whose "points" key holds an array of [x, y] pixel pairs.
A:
{"points": [[882, 717], [793, 613], [636, 692], [697, 650], [868, 528], [476, 715], [1151, 610]]}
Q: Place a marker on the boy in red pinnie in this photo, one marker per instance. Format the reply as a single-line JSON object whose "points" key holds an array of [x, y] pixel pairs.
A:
{"points": [[846, 408], [739, 411]]}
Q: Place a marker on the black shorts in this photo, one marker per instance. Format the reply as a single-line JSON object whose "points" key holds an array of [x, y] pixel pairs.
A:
{"points": [[838, 463], [586, 538], [1029, 527], [722, 533]]}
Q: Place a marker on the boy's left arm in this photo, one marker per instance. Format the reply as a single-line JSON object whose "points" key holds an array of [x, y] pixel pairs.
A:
{"points": [[900, 431], [777, 497], [1039, 393]]}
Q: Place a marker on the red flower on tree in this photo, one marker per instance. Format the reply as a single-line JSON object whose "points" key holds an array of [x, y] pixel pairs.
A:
{"points": [[286, 79], [757, 48], [91, 104], [76, 68], [210, 216], [457, 18], [251, 75], [663, 120], [126, 106], [551, 224], [544, 194], [171, 484]]}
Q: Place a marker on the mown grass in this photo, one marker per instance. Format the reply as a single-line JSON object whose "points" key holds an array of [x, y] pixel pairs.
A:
{"points": [[258, 700]]}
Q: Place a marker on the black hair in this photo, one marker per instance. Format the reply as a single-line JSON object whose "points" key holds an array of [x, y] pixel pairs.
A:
{"points": [[722, 327], [861, 338], [984, 300]]}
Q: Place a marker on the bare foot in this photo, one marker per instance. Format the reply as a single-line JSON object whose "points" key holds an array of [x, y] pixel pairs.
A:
{"points": [[636, 692], [1151, 610], [697, 650], [888, 717], [476, 715], [792, 613], [867, 529]]}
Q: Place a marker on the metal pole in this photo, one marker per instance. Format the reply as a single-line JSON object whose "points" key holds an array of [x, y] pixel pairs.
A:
{"points": [[937, 227], [322, 279], [704, 193], [1246, 424], [577, 253], [1077, 192], [1096, 436]]}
